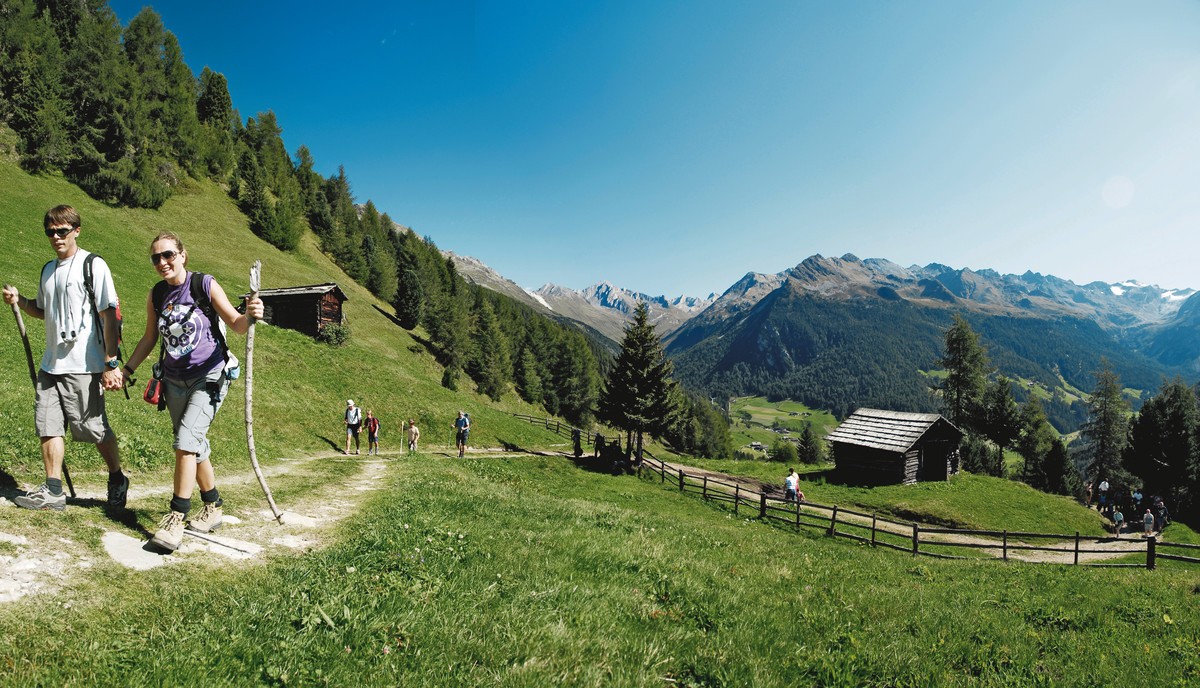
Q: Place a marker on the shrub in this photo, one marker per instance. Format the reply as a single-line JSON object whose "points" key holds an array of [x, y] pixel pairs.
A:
{"points": [[334, 335]]}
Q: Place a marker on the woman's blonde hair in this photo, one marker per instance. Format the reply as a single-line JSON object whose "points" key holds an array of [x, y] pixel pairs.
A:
{"points": [[171, 236]]}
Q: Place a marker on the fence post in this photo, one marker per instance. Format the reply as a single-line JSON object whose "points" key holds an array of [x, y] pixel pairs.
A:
{"points": [[737, 497], [916, 538], [1150, 553], [872, 530], [681, 481], [557, 427], [704, 488], [832, 522], [1004, 551], [1077, 548], [762, 505], [662, 472]]}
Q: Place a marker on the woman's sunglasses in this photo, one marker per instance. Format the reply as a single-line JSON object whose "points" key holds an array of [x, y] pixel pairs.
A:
{"points": [[167, 256], [61, 232]]}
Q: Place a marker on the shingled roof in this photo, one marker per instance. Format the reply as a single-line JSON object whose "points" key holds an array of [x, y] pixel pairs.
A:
{"points": [[308, 289], [894, 431]]}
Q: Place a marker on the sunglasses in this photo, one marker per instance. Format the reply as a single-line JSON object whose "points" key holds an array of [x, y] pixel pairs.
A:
{"points": [[167, 256], [61, 232]]}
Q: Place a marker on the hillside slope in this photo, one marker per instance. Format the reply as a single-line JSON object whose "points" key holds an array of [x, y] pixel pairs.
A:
{"points": [[300, 385]]}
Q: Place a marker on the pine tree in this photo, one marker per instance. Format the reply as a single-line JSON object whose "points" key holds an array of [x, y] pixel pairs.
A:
{"points": [[491, 360], [1061, 477], [966, 364], [810, 448], [1107, 426], [1001, 419], [1033, 443], [528, 378], [1163, 449], [637, 394]]}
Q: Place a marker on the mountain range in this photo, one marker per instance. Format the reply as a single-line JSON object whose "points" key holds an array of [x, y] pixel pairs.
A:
{"points": [[844, 332]]}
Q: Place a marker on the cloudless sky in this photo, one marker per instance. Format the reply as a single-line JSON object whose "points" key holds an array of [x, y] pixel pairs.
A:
{"points": [[670, 147]]}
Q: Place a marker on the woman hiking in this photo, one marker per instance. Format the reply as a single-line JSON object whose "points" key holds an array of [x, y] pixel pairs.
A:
{"points": [[187, 309]]}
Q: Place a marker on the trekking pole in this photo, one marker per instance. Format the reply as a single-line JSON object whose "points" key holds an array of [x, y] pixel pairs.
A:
{"points": [[33, 378], [255, 270]]}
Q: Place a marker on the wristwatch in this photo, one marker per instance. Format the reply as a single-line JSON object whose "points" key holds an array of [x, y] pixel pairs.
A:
{"points": [[113, 364]]}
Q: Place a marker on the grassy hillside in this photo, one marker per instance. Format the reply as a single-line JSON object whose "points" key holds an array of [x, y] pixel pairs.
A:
{"points": [[754, 417], [300, 385], [530, 572]]}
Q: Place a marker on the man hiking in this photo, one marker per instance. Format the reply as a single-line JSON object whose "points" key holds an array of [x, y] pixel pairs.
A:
{"points": [[353, 420], [78, 302], [462, 429]]}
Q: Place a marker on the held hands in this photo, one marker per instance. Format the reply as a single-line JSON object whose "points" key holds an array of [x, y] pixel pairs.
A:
{"points": [[112, 380]]}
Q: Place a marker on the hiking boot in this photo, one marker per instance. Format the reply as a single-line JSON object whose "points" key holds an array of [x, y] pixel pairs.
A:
{"points": [[118, 493], [170, 532], [41, 500], [208, 519]]}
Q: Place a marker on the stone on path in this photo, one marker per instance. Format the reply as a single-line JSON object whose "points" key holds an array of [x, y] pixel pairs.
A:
{"points": [[14, 539], [131, 552], [225, 546]]}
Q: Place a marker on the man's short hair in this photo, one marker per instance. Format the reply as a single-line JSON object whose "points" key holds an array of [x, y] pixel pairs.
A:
{"points": [[60, 215]]}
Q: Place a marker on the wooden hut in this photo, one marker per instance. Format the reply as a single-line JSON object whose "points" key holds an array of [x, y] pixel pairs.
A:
{"points": [[887, 447], [306, 309]]}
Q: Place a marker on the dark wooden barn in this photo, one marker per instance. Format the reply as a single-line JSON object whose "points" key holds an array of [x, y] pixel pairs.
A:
{"points": [[886, 447], [304, 309]]}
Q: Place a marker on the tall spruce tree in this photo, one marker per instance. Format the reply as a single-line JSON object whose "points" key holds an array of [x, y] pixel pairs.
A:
{"points": [[1163, 449], [1033, 443], [966, 363], [637, 396], [1001, 419], [1107, 428]]}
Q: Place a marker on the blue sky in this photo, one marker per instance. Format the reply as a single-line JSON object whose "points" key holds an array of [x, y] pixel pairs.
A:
{"points": [[671, 147]]}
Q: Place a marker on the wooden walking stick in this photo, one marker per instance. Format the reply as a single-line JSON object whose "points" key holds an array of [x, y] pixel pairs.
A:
{"points": [[33, 378], [255, 271]]}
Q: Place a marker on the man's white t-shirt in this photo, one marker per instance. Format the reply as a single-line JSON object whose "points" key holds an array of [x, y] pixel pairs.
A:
{"points": [[73, 342], [792, 482]]}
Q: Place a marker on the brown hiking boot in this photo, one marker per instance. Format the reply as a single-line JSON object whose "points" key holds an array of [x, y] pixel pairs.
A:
{"points": [[170, 532], [208, 519]]}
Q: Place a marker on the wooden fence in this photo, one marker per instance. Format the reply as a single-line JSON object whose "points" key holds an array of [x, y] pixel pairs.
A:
{"points": [[880, 531], [906, 536]]}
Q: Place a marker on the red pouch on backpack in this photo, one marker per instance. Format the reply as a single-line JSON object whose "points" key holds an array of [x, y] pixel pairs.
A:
{"points": [[153, 393]]}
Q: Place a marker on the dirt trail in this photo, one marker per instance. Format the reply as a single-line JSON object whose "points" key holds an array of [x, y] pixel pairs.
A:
{"points": [[1098, 549], [41, 560]]}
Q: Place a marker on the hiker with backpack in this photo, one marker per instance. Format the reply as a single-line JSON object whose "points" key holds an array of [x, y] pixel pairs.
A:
{"points": [[188, 311], [78, 301], [353, 421], [462, 431]]}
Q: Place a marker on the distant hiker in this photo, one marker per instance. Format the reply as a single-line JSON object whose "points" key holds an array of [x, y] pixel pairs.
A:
{"points": [[353, 421], [414, 435], [81, 359], [1103, 493], [577, 441], [372, 426], [1087, 494], [1118, 521], [188, 311], [791, 486], [1148, 522], [462, 429]]}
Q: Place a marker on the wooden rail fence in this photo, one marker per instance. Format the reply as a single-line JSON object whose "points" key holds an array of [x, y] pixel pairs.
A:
{"points": [[880, 531], [905, 536]]}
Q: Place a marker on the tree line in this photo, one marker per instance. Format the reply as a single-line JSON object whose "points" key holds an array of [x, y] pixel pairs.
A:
{"points": [[1157, 447]]}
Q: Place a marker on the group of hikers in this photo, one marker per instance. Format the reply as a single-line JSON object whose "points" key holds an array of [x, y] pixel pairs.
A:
{"points": [[186, 315], [355, 424], [1127, 508]]}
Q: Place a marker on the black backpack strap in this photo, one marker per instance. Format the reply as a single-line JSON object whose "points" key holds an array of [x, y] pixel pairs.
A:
{"points": [[91, 295], [204, 303]]}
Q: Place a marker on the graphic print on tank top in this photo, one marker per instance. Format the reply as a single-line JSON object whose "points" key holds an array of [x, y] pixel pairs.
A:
{"points": [[179, 326]]}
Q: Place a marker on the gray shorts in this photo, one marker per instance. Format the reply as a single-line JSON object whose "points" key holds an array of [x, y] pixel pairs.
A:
{"points": [[193, 405], [75, 399]]}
